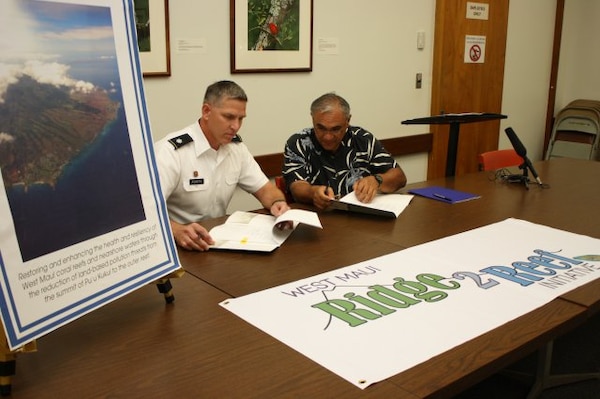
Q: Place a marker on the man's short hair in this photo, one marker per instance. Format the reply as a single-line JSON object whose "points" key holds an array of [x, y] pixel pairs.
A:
{"points": [[224, 90], [327, 102]]}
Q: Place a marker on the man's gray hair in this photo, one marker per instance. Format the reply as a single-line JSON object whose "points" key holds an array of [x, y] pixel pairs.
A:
{"points": [[329, 101]]}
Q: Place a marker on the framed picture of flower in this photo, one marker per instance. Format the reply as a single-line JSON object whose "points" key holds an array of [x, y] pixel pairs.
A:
{"points": [[271, 35]]}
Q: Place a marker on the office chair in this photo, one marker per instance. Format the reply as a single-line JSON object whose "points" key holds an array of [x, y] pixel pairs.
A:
{"points": [[494, 160], [280, 183]]}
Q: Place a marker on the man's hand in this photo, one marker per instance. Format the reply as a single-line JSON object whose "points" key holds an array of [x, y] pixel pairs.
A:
{"points": [[366, 189], [278, 208], [192, 237], [322, 196]]}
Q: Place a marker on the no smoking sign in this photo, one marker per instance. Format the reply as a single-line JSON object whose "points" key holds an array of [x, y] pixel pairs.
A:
{"points": [[474, 49], [475, 53]]}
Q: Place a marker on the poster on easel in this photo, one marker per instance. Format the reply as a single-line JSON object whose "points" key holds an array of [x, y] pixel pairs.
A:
{"points": [[83, 221]]}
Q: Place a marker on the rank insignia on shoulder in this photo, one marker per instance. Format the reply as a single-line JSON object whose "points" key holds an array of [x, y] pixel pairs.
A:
{"points": [[236, 139], [180, 141]]}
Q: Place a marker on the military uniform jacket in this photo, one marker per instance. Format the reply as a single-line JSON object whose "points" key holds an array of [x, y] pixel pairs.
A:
{"points": [[198, 182]]}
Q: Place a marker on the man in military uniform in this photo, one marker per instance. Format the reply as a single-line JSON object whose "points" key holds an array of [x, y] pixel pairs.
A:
{"points": [[200, 167]]}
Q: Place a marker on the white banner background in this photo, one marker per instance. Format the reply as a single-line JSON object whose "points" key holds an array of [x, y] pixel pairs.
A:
{"points": [[404, 337]]}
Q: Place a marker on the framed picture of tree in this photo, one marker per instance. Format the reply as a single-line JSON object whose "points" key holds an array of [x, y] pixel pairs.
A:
{"points": [[152, 27], [271, 35]]}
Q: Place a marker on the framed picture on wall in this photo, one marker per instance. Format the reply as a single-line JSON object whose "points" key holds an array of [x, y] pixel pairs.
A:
{"points": [[271, 36], [152, 26]]}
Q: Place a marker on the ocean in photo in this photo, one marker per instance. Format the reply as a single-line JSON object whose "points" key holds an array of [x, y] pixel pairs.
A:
{"points": [[96, 193]]}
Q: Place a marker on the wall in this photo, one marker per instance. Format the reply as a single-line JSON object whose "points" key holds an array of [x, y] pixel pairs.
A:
{"points": [[527, 73], [579, 65], [374, 70]]}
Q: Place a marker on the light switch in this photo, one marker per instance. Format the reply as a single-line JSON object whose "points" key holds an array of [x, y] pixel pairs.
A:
{"points": [[420, 40]]}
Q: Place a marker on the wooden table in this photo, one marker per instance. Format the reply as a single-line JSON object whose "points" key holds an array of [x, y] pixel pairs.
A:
{"points": [[569, 204], [307, 252], [138, 346]]}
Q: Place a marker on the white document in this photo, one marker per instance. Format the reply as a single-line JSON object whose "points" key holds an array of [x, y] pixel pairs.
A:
{"points": [[390, 205], [249, 231]]}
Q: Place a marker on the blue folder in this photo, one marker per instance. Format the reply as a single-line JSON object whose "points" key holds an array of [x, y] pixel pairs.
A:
{"points": [[444, 194]]}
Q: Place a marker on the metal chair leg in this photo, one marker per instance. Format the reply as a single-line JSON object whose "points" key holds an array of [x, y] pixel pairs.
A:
{"points": [[545, 380]]}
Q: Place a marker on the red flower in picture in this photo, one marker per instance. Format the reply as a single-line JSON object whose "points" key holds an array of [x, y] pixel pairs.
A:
{"points": [[273, 28]]}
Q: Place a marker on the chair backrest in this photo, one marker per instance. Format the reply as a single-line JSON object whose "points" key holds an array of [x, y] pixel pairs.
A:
{"points": [[280, 183], [494, 160]]}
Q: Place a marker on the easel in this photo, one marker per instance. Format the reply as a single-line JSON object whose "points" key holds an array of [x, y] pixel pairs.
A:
{"points": [[164, 284], [8, 357], [8, 362]]}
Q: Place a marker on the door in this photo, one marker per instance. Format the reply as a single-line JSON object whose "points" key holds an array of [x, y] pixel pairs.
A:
{"points": [[468, 75]]}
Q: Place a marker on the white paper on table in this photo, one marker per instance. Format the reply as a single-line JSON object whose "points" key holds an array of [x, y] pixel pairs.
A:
{"points": [[251, 231]]}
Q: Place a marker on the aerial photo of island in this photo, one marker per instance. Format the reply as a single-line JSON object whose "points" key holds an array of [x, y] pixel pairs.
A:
{"points": [[65, 152]]}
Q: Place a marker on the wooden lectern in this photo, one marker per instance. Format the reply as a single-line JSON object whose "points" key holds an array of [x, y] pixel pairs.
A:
{"points": [[454, 120]]}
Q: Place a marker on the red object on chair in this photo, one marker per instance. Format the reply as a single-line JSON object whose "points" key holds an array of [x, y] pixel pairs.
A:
{"points": [[280, 183], [494, 160]]}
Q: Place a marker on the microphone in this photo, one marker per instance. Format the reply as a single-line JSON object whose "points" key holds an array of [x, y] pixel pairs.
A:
{"points": [[522, 152]]}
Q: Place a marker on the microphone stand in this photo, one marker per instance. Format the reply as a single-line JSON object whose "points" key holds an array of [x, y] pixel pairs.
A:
{"points": [[523, 178], [526, 166]]}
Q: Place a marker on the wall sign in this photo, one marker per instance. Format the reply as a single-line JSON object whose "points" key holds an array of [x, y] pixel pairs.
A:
{"points": [[478, 10], [474, 49]]}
